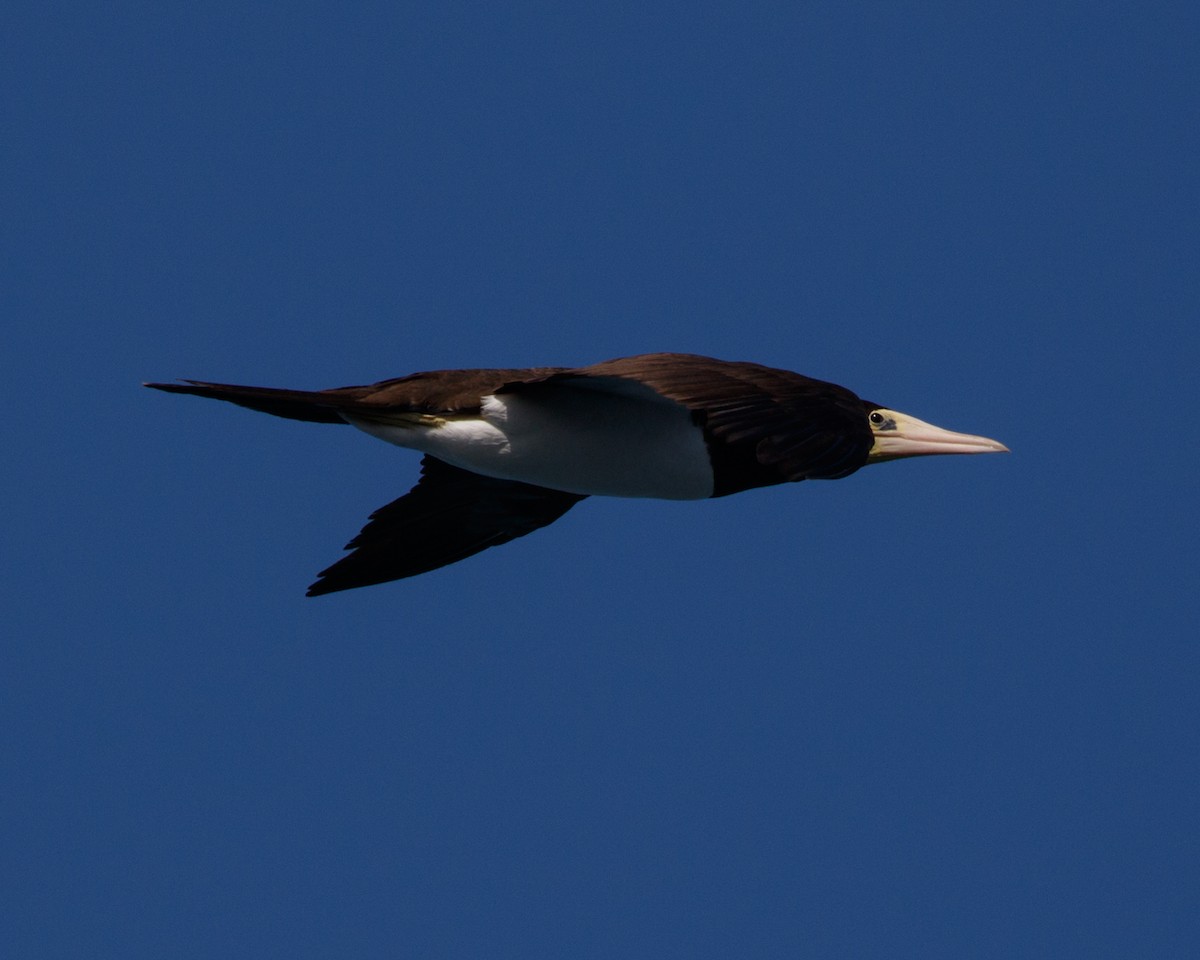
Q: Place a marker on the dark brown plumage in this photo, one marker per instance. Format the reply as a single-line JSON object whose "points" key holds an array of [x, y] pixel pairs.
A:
{"points": [[760, 426]]}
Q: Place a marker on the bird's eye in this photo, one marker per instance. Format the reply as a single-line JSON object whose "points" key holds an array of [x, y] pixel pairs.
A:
{"points": [[876, 417]]}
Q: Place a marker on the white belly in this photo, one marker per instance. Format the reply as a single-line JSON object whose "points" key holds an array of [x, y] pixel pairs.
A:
{"points": [[610, 438]]}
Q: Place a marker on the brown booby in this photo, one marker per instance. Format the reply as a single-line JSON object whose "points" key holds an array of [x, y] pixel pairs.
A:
{"points": [[509, 451]]}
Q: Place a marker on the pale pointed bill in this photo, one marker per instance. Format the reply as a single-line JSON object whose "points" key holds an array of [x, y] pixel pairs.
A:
{"points": [[902, 435]]}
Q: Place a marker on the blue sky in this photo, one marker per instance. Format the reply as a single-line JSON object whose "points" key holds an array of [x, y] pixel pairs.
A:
{"points": [[943, 708]]}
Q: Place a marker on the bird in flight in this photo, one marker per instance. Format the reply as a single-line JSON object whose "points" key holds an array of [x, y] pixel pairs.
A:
{"points": [[509, 451]]}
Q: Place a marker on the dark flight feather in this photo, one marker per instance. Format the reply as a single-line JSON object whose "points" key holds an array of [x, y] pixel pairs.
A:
{"points": [[448, 516]]}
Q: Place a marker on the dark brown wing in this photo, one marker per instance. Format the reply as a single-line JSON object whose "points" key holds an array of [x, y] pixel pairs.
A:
{"points": [[763, 425], [436, 391], [448, 516]]}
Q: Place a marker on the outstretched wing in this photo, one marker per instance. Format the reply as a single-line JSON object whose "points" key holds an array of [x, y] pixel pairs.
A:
{"points": [[448, 516], [435, 391]]}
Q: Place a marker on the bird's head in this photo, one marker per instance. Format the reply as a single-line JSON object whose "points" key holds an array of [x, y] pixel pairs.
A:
{"points": [[899, 435]]}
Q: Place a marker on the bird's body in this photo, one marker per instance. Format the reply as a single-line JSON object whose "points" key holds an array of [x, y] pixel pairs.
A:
{"points": [[620, 440], [511, 450]]}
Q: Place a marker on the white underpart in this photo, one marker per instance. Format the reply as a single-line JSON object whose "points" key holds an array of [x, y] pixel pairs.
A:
{"points": [[607, 437]]}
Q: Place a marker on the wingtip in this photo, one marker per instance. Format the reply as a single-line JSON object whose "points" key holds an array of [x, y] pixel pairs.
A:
{"points": [[324, 585], [175, 386]]}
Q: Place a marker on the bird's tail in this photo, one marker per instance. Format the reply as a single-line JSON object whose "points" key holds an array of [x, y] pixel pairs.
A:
{"points": [[317, 406]]}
